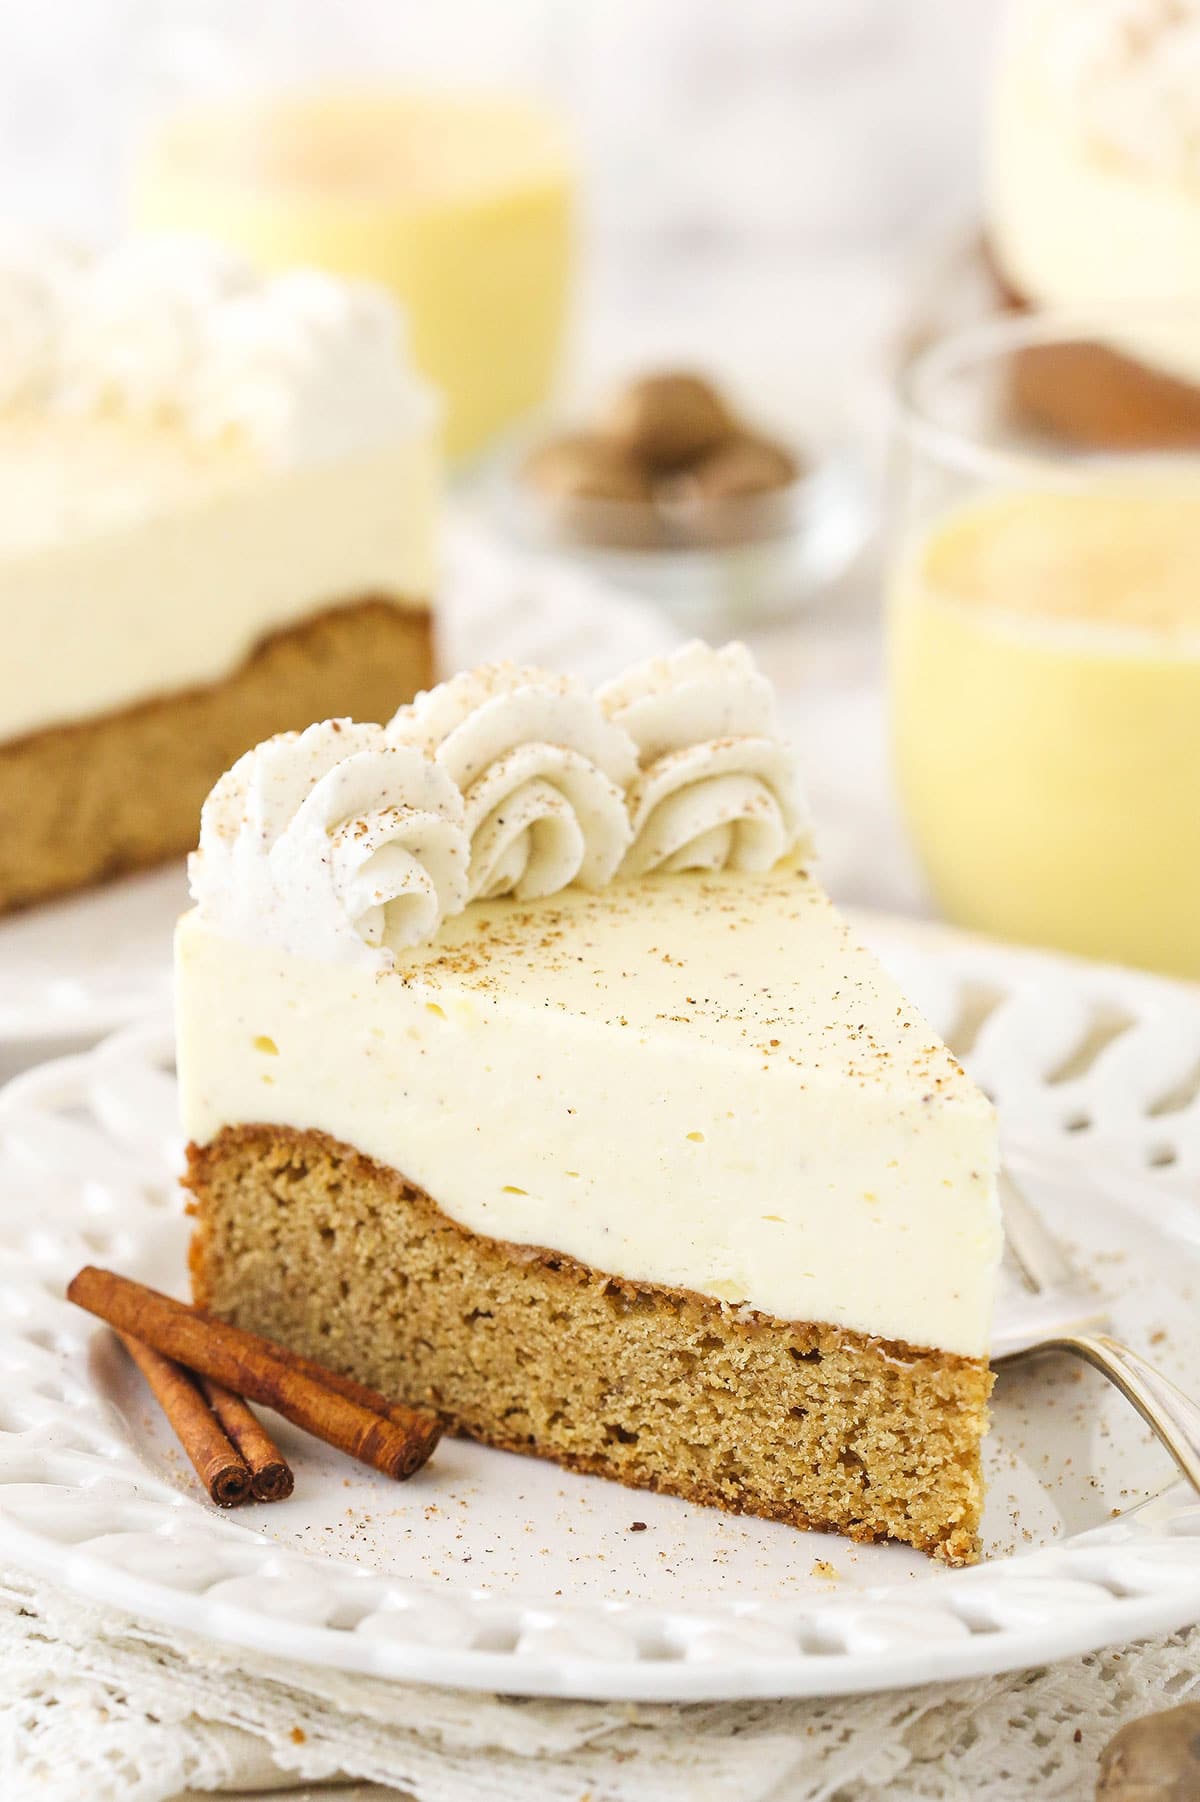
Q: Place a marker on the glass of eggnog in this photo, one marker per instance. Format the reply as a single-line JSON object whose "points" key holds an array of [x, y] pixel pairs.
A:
{"points": [[1044, 630]]}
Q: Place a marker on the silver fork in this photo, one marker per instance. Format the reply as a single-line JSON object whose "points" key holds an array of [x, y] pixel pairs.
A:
{"points": [[1060, 1314]]}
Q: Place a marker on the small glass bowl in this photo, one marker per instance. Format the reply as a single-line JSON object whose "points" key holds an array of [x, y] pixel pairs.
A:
{"points": [[714, 566]]}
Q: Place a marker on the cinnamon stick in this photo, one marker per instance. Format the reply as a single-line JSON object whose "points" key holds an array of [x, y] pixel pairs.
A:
{"points": [[271, 1478], [217, 1463], [350, 1387], [397, 1442]]}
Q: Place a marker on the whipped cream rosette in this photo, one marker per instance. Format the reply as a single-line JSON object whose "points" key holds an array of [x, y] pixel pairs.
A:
{"points": [[542, 773], [716, 787], [350, 841], [325, 841]]}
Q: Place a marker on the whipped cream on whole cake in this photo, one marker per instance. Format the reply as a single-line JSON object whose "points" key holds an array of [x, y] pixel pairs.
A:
{"points": [[557, 959]]}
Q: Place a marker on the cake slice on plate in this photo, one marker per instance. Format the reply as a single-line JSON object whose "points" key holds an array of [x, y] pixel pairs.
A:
{"points": [[528, 1072], [217, 499]]}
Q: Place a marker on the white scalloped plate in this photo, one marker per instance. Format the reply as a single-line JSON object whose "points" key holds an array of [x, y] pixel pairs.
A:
{"points": [[500, 1573]]}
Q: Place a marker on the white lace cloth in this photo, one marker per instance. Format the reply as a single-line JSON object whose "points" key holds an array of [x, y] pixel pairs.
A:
{"points": [[95, 1704]]}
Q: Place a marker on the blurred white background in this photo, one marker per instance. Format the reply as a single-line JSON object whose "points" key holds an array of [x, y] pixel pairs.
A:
{"points": [[761, 179], [763, 185]]}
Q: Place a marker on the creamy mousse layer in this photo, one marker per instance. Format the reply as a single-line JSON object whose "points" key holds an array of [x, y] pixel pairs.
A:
{"points": [[696, 1080], [135, 561]]}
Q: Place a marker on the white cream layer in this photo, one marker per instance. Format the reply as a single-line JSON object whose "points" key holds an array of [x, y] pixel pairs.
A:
{"points": [[694, 1080], [134, 562], [1074, 222]]}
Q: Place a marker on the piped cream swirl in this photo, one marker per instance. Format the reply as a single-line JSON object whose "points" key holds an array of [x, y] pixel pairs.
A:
{"points": [[351, 842], [325, 841], [715, 787], [542, 774]]}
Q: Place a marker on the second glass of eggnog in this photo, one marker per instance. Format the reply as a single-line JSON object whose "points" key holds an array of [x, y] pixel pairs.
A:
{"points": [[1044, 645]]}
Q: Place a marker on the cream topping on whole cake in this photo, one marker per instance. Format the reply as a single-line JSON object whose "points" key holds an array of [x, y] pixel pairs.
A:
{"points": [[301, 366], [693, 1077], [207, 454], [1093, 168]]}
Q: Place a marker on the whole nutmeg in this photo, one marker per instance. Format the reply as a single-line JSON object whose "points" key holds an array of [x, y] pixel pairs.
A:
{"points": [[1155, 1759], [668, 420], [742, 466], [585, 466]]}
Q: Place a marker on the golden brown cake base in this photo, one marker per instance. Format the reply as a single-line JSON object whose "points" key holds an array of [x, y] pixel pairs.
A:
{"points": [[307, 1241], [86, 801], [1095, 396]]}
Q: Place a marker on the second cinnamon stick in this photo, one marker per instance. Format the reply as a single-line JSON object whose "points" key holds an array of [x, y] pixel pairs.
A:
{"points": [[271, 1478], [216, 1460], [397, 1443]]}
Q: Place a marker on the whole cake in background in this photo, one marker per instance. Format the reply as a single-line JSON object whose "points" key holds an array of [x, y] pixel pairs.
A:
{"points": [[529, 1074], [1093, 196], [217, 509]]}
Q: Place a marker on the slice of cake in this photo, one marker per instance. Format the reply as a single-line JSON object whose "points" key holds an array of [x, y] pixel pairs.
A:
{"points": [[217, 501], [528, 1073]]}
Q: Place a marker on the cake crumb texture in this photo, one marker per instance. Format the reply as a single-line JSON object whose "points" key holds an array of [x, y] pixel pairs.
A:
{"points": [[316, 1246], [92, 799]]}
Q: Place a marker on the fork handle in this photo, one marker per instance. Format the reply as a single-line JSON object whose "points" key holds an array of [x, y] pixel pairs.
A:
{"points": [[1167, 1411]]}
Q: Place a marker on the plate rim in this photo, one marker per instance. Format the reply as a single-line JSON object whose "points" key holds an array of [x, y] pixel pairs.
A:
{"points": [[577, 1676], [1120, 1580]]}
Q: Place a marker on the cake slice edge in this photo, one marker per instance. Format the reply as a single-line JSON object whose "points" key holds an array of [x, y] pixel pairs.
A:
{"points": [[312, 1243]]}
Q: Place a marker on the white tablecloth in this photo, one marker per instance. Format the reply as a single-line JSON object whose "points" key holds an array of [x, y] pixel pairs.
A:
{"points": [[97, 1706]]}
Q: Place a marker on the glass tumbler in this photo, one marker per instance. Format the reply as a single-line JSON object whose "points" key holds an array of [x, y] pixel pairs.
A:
{"points": [[1044, 630]]}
